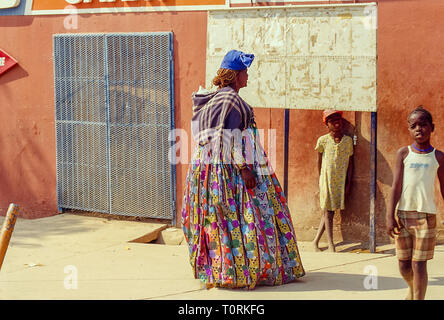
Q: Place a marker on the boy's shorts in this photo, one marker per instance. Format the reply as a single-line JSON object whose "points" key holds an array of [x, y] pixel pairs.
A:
{"points": [[417, 237]]}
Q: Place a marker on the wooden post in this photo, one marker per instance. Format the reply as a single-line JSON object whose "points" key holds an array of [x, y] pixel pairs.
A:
{"points": [[8, 227]]}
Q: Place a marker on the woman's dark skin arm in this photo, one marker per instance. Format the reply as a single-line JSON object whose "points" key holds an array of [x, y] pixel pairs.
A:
{"points": [[233, 122]]}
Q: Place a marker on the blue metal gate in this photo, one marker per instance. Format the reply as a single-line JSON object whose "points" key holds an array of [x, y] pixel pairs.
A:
{"points": [[114, 112]]}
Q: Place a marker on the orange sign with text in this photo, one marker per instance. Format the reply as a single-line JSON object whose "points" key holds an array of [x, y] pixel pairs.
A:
{"points": [[117, 5]]}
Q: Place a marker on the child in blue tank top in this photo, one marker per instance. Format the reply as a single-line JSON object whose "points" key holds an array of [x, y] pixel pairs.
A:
{"points": [[413, 192]]}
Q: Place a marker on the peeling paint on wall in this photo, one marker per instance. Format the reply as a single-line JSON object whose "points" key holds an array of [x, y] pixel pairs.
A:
{"points": [[306, 58]]}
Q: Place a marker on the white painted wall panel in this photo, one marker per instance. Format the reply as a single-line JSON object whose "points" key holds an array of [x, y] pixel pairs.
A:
{"points": [[306, 58]]}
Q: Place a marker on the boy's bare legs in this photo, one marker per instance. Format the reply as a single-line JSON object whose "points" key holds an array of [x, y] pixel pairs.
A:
{"points": [[321, 229], [328, 221], [420, 279], [415, 274], [406, 270]]}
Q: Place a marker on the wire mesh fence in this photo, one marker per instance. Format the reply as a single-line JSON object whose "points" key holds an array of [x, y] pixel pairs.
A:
{"points": [[114, 110]]}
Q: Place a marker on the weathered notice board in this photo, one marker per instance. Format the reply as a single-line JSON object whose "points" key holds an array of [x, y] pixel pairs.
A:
{"points": [[317, 57]]}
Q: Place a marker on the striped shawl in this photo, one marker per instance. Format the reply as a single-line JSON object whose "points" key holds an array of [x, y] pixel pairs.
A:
{"points": [[210, 111]]}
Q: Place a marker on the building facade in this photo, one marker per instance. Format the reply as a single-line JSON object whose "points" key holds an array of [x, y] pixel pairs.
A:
{"points": [[409, 73]]}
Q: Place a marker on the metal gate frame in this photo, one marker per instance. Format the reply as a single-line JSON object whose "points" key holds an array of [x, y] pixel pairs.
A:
{"points": [[101, 85]]}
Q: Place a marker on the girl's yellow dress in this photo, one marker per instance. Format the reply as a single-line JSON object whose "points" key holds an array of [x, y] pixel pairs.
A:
{"points": [[335, 157]]}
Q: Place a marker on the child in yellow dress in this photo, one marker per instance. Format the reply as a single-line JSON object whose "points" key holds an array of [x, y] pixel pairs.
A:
{"points": [[335, 164]]}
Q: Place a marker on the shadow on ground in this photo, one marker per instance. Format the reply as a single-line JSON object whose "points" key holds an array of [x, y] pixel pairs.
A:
{"points": [[72, 228], [351, 247], [326, 281], [27, 235]]}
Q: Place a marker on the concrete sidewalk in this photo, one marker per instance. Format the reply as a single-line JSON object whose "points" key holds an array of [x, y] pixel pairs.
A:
{"points": [[47, 255]]}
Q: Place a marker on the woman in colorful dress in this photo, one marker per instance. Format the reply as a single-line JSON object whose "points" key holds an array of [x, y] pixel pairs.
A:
{"points": [[235, 216]]}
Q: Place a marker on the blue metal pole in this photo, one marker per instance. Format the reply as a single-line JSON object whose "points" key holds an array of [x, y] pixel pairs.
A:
{"points": [[172, 124], [108, 120], [286, 136], [373, 182]]}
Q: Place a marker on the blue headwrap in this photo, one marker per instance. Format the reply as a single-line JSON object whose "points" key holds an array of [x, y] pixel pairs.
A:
{"points": [[237, 60]]}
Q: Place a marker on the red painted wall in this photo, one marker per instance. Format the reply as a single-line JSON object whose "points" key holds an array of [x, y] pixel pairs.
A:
{"points": [[27, 156], [410, 72]]}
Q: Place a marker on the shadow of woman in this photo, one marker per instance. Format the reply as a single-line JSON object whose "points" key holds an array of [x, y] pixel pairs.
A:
{"points": [[333, 281]]}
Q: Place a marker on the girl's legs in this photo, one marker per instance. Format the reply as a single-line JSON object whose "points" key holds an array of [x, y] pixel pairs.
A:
{"points": [[319, 234], [405, 268], [326, 224], [328, 219]]}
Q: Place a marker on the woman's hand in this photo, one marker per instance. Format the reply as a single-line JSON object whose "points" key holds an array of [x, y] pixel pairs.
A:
{"points": [[249, 178]]}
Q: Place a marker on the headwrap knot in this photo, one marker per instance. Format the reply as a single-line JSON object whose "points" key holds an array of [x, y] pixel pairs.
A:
{"points": [[237, 60]]}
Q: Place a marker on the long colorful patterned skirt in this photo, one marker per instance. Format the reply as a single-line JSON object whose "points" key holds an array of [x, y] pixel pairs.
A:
{"points": [[238, 237]]}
